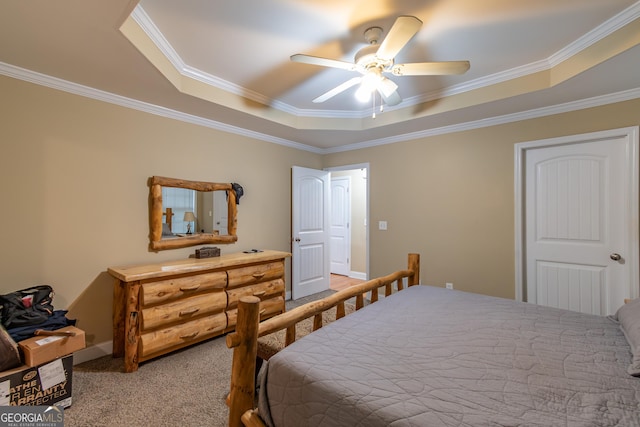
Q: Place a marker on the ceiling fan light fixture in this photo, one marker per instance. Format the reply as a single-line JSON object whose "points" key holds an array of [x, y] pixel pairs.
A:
{"points": [[363, 94], [369, 84]]}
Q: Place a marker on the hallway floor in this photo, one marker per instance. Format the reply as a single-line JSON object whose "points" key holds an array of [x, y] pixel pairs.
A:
{"points": [[339, 282]]}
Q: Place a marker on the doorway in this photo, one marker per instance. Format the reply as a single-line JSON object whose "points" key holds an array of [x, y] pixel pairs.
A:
{"points": [[576, 221], [358, 218], [311, 260]]}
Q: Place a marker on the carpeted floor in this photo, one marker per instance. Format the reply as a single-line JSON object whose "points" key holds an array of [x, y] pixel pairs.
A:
{"points": [[184, 388]]}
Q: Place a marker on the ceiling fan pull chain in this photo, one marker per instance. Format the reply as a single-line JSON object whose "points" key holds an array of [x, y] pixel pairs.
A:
{"points": [[373, 116]]}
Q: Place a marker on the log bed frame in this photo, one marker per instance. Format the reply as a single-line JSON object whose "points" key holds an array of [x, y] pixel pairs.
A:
{"points": [[244, 340]]}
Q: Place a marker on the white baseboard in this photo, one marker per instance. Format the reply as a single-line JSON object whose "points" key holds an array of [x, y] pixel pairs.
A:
{"points": [[358, 275], [93, 352]]}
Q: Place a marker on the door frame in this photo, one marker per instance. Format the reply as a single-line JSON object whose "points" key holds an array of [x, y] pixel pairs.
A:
{"points": [[520, 149], [367, 171]]}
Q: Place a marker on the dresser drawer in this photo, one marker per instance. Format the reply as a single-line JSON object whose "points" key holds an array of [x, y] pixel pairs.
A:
{"points": [[183, 310], [171, 289], [255, 274], [262, 290], [268, 308], [180, 335]]}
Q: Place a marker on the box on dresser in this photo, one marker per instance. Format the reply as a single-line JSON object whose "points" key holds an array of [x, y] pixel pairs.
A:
{"points": [[159, 308], [207, 252]]}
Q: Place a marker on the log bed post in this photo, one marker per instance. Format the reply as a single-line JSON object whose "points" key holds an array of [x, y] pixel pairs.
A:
{"points": [[414, 265], [243, 367]]}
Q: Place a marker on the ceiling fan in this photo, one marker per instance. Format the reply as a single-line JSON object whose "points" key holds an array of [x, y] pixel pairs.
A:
{"points": [[378, 58]]}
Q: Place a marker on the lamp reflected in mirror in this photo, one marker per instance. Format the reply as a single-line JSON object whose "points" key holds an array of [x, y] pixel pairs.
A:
{"points": [[189, 217]]}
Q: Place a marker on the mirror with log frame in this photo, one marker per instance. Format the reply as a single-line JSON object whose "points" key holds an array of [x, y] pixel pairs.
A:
{"points": [[188, 213]]}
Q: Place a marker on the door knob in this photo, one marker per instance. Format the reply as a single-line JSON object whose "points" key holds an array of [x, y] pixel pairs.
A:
{"points": [[615, 257]]}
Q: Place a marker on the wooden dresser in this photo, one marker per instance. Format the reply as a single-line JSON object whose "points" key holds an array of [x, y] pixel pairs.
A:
{"points": [[159, 308]]}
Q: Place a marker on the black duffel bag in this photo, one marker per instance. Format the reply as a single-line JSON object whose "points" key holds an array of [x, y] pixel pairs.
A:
{"points": [[30, 306]]}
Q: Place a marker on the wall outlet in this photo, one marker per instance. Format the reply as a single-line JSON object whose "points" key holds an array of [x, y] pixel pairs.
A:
{"points": [[382, 225], [449, 285]]}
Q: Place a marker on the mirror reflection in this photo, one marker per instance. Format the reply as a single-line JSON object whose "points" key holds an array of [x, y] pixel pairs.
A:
{"points": [[187, 211]]}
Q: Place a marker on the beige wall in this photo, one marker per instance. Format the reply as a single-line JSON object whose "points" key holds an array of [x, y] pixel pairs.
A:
{"points": [[74, 194], [451, 197]]}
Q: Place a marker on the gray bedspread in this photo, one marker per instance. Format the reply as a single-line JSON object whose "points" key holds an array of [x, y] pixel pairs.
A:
{"points": [[429, 356]]}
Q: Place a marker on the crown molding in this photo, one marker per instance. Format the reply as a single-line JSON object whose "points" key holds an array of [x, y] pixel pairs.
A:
{"points": [[600, 32], [498, 120], [100, 95], [85, 91], [605, 29], [155, 35]]}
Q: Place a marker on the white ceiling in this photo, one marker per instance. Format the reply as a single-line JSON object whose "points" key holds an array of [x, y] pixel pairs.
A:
{"points": [[225, 64]]}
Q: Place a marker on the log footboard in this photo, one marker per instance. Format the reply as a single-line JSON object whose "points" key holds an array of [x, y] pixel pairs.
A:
{"points": [[244, 340]]}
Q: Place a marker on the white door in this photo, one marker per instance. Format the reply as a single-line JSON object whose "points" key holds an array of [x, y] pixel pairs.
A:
{"points": [[580, 222], [310, 231], [340, 227]]}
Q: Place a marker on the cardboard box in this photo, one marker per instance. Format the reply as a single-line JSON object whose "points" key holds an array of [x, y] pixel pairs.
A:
{"points": [[45, 385], [41, 349]]}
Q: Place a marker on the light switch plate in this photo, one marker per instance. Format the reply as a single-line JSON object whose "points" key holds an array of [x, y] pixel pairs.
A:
{"points": [[382, 225]]}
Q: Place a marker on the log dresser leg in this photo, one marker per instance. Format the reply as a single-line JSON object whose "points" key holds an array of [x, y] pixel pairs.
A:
{"points": [[118, 318], [131, 329]]}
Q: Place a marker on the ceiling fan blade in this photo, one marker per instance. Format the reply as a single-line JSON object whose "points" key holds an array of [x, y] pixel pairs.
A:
{"points": [[430, 68], [323, 62], [338, 89], [399, 35]]}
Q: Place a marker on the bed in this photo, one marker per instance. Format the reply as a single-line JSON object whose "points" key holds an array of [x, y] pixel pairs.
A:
{"points": [[431, 356]]}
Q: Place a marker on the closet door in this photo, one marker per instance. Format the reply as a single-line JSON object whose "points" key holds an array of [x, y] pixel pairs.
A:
{"points": [[579, 245]]}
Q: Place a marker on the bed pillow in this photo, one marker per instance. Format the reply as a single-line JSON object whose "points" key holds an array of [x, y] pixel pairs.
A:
{"points": [[629, 317]]}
